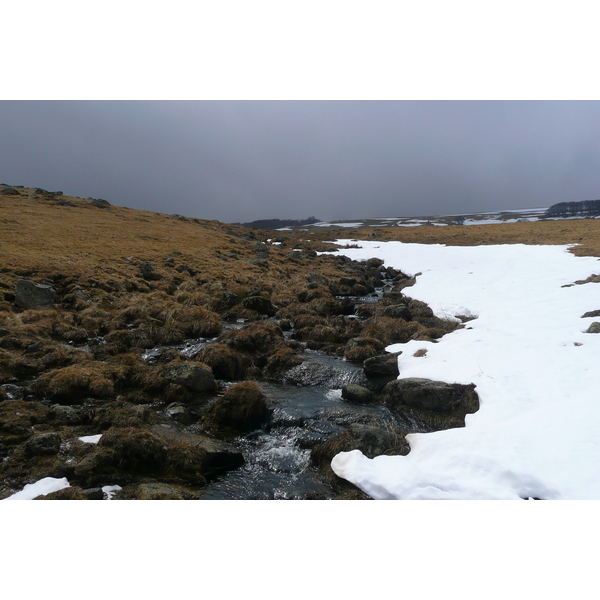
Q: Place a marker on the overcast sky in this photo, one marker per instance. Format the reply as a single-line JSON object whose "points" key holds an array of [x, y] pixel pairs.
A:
{"points": [[238, 161]]}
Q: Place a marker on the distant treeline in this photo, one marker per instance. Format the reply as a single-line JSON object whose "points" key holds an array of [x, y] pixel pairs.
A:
{"points": [[585, 208], [278, 223]]}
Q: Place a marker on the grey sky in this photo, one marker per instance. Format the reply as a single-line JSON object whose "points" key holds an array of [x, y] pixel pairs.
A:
{"points": [[241, 161]]}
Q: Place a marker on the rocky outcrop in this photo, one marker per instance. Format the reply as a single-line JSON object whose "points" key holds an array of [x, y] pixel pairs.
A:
{"points": [[35, 296]]}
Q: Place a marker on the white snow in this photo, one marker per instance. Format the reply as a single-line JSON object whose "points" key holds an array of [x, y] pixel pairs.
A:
{"points": [[90, 439], [111, 490], [40, 488], [536, 433]]}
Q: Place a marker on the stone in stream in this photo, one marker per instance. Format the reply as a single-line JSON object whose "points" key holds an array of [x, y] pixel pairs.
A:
{"points": [[195, 377]]}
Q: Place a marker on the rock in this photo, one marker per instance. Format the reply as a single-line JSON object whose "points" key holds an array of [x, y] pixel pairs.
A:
{"points": [[32, 295], [147, 271], [382, 365], [43, 443], [100, 203], [427, 394], [163, 491], [8, 190], [398, 311], [357, 394], [371, 440], [591, 313], [374, 262], [259, 262], [178, 413], [319, 279], [593, 328], [243, 407], [68, 493], [195, 377], [67, 415], [314, 374], [260, 304], [220, 456]]}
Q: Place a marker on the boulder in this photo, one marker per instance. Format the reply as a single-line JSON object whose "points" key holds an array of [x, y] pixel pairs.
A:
{"points": [[593, 328], [219, 456], [397, 311], [178, 413], [43, 443], [8, 190], [259, 304], [32, 295], [100, 203], [436, 396], [357, 394], [591, 313], [195, 377], [382, 365]]}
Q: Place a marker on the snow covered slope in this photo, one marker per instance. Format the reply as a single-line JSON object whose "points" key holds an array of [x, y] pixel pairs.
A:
{"points": [[537, 431]]}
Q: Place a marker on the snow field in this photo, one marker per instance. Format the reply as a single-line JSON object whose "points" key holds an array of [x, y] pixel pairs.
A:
{"points": [[534, 366]]}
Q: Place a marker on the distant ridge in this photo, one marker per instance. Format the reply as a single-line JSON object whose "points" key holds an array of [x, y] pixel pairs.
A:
{"points": [[278, 223], [585, 208]]}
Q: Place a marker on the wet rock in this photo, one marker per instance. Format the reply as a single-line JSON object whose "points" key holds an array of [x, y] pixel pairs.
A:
{"points": [[43, 443], [315, 374], [178, 413], [371, 440], [243, 407], [195, 377], [163, 491], [220, 456], [357, 394], [427, 394], [382, 365], [32, 295]]}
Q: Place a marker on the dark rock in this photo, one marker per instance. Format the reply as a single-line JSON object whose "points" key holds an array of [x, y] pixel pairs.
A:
{"points": [[397, 311], [357, 394], [43, 443], [192, 376], [147, 271], [67, 415], [68, 493], [220, 456], [32, 295], [427, 394], [593, 328], [382, 365], [319, 279], [95, 493], [260, 304], [591, 313], [8, 190], [259, 262], [163, 491], [371, 440], [178, 413], [100, 203], [374, 262], [314, 374]]}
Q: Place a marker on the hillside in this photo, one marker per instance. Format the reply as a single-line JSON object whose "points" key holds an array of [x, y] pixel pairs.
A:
{"points": [[152, 318]]}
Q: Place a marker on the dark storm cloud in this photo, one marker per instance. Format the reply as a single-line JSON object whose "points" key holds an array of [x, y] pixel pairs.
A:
{"points": [[240, 161]]}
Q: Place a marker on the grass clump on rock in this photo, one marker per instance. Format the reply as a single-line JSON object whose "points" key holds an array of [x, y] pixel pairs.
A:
{"points": [[243, 407]]}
